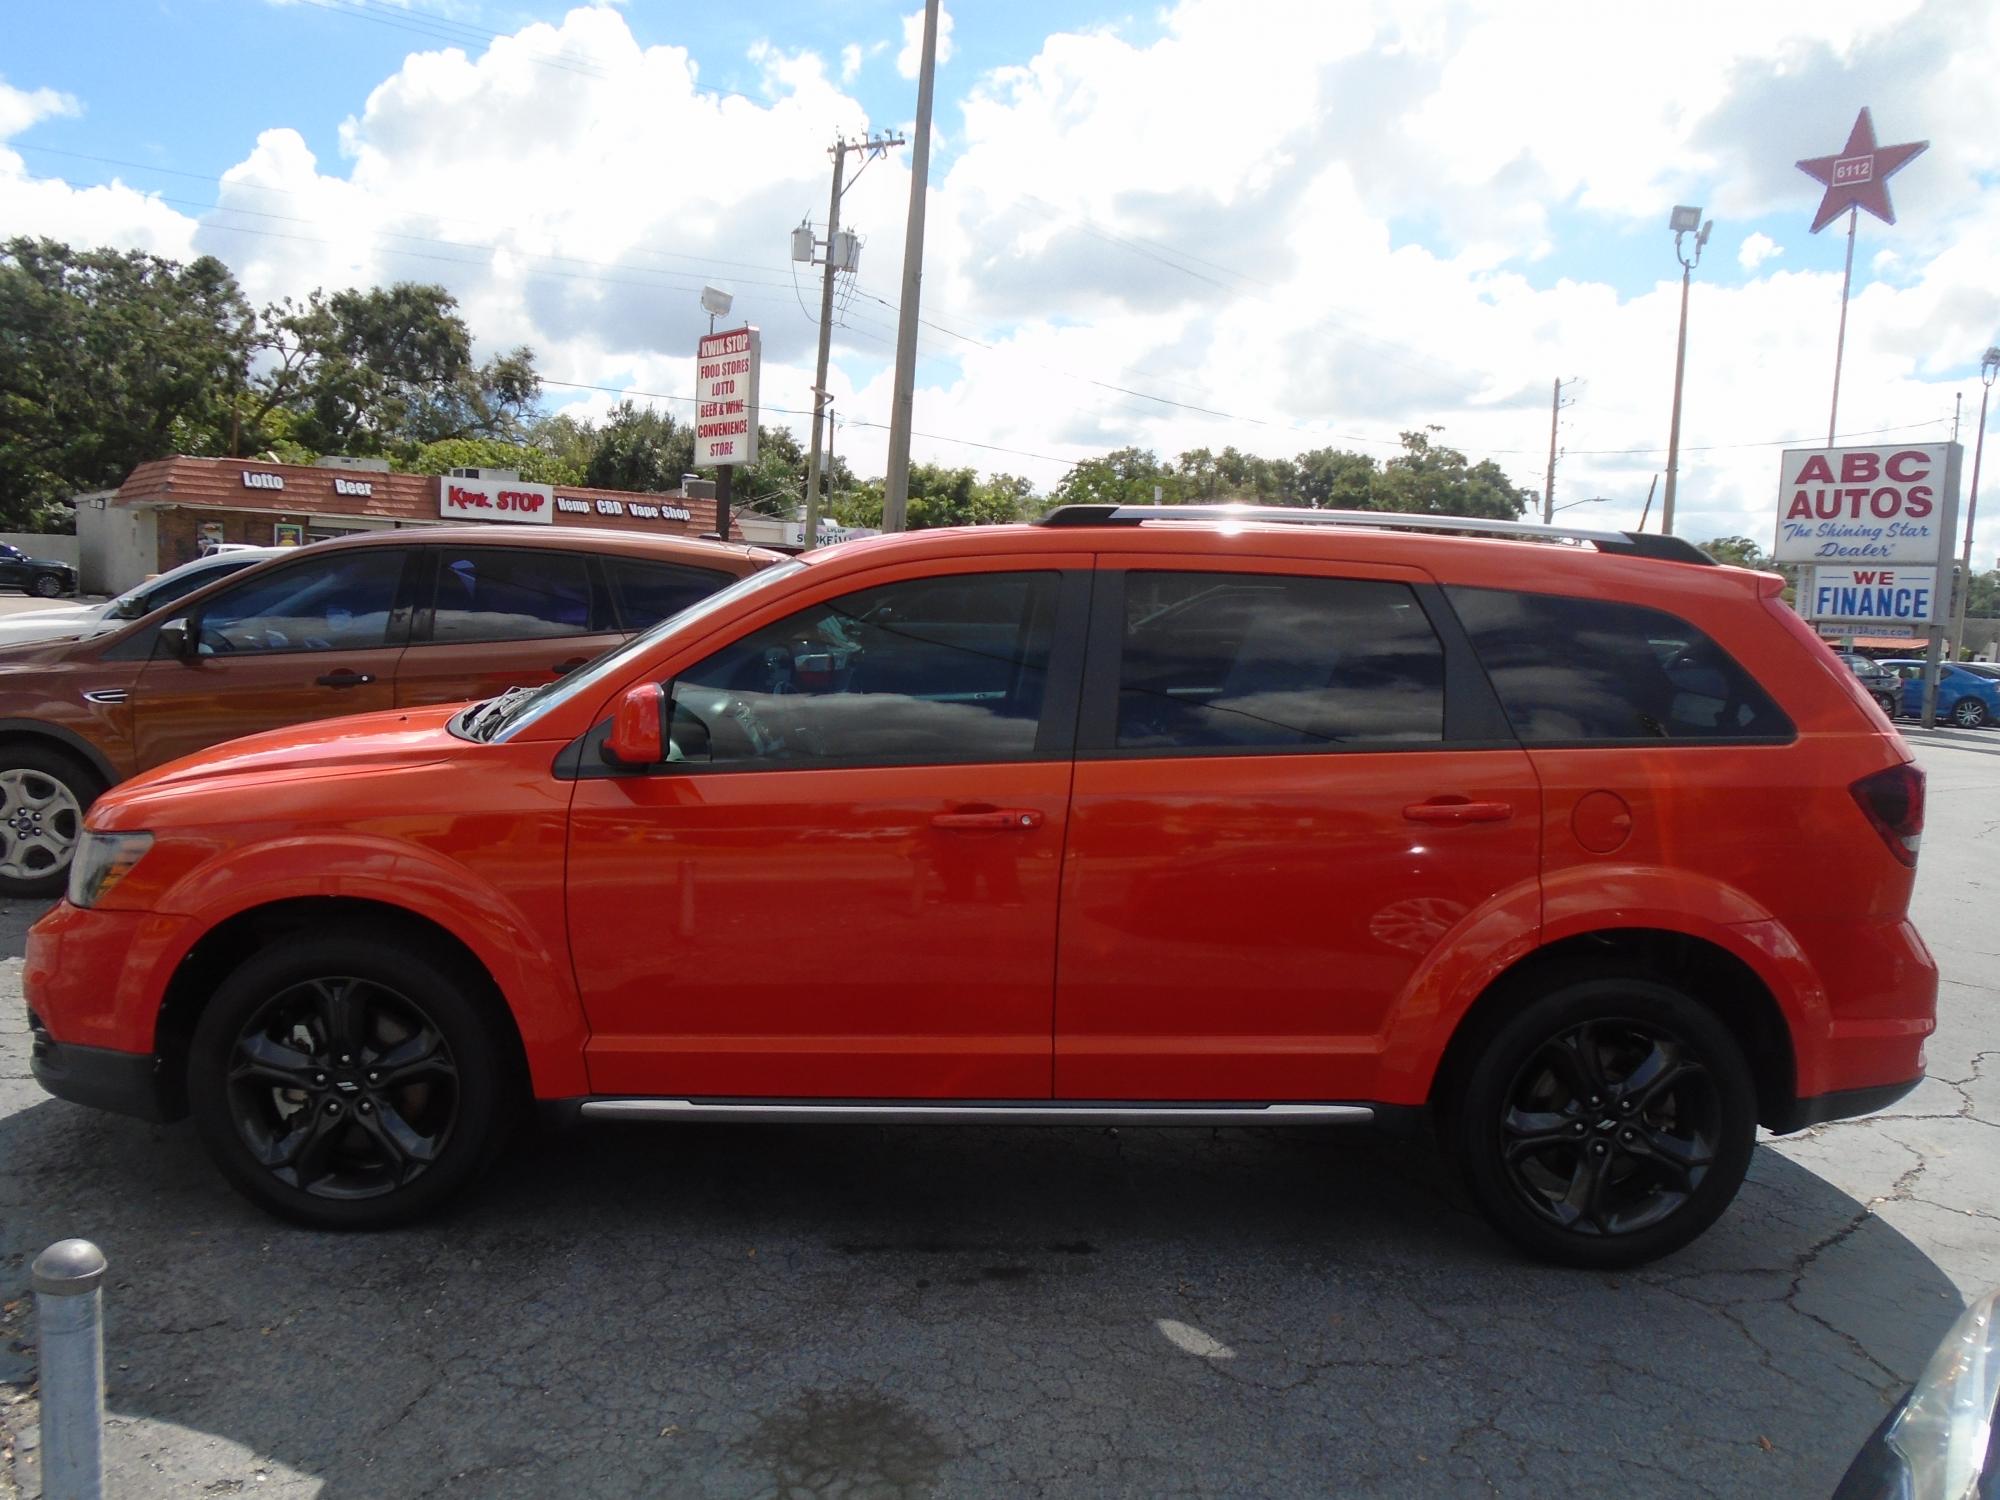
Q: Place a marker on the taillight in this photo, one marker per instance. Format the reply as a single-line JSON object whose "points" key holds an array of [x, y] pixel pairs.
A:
{"points": [[1894, 802]]}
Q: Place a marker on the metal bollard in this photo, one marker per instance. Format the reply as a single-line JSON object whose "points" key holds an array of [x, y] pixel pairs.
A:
{"points": [[69, 1318]]}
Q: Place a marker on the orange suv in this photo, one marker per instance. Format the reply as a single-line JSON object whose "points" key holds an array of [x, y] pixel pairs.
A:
{"points": [[1172, 816], [388, 620]]}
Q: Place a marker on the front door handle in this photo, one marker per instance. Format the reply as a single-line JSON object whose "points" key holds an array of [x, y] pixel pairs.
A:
{"points": [[1458, 810], [345, 677], [996, 819], [564, 668]]}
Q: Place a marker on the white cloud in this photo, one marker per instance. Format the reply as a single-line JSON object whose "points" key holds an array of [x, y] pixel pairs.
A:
{"points": [[910, 60], [112, 214], [1756, 249], [20, 108], [850, 62]]}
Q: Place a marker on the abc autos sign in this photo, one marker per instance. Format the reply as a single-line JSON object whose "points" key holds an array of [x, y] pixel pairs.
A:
{"points": [[1876, 523]]}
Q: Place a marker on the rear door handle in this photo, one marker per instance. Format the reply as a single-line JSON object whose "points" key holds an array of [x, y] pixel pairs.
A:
{"points": [[1458, 810], [998, 820], [345, 678]]}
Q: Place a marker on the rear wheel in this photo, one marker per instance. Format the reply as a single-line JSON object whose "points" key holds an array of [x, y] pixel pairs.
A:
{"points": [[1607, 1123], [1969, 713], [43, 797], [346, 1082]]}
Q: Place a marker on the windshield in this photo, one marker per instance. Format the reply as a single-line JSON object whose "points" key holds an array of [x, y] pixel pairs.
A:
{"points": [[530, 706]]}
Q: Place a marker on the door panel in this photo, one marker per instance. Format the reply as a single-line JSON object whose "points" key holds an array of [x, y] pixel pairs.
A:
{"points": [[1276, 819], [844, 882]]}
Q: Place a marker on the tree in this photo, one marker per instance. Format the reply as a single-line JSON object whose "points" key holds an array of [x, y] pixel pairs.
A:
{"points": [[108, 358], [386, 370], [537, 465], [639, 448], [1332, 479], [942, 496], [1429, 479], [1127, 476], [1738, 552]]}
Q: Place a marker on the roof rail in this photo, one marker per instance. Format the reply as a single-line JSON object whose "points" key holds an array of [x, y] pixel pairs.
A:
{"points": [[1624, 543]]}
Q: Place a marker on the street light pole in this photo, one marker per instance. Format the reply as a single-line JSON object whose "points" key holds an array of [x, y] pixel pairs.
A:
{"points": [[1989, 368], [1684, 221]]}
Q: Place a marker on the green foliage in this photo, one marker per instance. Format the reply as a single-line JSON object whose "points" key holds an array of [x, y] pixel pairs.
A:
{"points": [[1427, 479], [537, 465], [639, 448], [942, 496], [1127, 476], [1738, 552], [107, 358]]}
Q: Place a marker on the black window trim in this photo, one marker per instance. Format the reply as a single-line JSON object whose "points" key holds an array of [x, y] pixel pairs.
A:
{"points": [[1473, 719], [1055, 735]]}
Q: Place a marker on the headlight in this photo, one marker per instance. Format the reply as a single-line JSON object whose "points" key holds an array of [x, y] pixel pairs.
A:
{"points": [[1943, 1430], [102, 860]]}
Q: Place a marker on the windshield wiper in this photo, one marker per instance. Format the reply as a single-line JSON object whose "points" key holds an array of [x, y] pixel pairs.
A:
{"points": [[490, 714]]}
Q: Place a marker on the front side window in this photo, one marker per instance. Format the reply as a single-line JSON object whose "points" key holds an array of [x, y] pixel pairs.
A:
{"points": [[339, 602], [932, 670], [1249, 661], [512, 594], [1570, 669]]}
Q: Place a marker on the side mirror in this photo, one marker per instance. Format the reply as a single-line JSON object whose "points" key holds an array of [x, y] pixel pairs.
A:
{"points": [[637, 728], [176, 639]]}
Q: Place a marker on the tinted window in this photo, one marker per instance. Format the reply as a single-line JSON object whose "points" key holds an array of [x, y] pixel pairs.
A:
{"points": [[179, 588], [511, 594], [1216, 660], [1584, 669], [341, 602], [938, 670], [648, 592]]}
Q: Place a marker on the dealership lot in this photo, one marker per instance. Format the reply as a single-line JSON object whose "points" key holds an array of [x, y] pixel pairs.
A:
{"points": [[862, 1310]]}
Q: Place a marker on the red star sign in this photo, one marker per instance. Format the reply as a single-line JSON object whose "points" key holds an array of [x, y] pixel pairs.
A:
{"points": [[1859, 175]]}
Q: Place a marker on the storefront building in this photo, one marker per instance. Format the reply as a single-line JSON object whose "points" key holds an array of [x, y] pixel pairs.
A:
{"points": [[173, 509]]}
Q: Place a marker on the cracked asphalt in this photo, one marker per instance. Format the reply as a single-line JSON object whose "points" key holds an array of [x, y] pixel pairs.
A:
{"points": [[860, 1311]]}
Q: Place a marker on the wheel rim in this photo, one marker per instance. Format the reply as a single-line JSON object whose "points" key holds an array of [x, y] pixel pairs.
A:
{"points": [[1610, 1127], [343, 1088], [40, 819], [1970, 713], [47, 587]]}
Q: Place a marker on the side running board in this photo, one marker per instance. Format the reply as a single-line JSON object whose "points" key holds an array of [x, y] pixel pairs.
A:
{"points": [[833, 1112]]}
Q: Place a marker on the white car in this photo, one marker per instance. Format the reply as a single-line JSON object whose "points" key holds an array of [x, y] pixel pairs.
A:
{"points": [[70, 621]]}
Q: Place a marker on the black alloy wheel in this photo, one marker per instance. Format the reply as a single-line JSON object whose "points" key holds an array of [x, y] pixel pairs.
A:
{"points": [[1608, 1123], [345, 1082]]}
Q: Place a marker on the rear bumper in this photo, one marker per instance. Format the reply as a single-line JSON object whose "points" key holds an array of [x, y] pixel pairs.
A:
{"points": [[1844, 1104], [127, 1083]]}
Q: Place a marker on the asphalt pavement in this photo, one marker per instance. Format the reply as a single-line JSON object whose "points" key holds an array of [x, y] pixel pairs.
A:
{"points": [[861, 1311]]}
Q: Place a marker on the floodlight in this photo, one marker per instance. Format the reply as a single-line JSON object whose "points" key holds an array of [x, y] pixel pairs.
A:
{"points": [[715, 300], [1685, 220]]}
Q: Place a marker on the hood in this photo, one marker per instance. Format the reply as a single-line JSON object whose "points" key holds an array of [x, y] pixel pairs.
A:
{"points": [[326, 747], [52, 624]]}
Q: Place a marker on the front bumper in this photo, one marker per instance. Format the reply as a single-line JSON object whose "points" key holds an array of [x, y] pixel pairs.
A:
{"points": [[127, 1083]]}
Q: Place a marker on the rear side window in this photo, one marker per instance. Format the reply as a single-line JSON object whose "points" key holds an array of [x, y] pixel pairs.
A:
{"points": [[512, 594], [648, 591], [1586, 670], [1260, 661]]}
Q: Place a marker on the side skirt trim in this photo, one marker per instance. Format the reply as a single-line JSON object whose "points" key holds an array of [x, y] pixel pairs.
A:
{"points": [[871, 1112]]}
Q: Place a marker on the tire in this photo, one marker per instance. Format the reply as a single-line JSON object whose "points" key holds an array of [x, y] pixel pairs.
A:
{"points": [[1891, 704], [1969, 713], [46, 586], [336, 1145], [1623, 1187], [44, 793]]}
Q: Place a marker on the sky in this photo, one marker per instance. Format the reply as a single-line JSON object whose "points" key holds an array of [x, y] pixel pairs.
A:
{"points": [[1274, 225]]}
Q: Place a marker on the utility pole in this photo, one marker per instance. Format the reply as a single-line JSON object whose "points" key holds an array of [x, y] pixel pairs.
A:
{"points": [[835, 262], [1989, 370], [896, 484], [1549, 480]]}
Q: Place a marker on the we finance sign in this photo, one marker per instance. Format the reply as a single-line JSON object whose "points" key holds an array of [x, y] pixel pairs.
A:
{"points": [[1867, 505], [1902, 596]]}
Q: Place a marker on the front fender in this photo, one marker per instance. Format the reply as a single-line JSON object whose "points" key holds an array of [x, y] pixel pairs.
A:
{"points": [[526, 953]]}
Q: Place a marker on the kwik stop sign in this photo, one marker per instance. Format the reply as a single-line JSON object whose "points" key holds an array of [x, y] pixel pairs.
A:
{"points": [[725, 395], [1876, 523]]}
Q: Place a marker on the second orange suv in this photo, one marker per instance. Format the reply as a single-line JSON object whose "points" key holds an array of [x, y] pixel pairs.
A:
{"points": [[1133, 816], [396, 618]]}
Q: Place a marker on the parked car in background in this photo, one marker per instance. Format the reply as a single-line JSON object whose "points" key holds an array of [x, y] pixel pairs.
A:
{"points": [[1165, 815], [1986, 669], [67, 622], [1942, 1440], [1964, 698], [34, 575], [1885, 686], [391, 619]]}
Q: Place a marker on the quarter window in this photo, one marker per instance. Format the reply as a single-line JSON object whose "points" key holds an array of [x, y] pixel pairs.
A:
{"points": [[949, 669], [1570, 669], [512, 594], [648, 592], [339, 602], [1263, 661]]}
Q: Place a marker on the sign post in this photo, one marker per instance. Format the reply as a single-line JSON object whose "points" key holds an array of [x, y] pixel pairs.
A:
{"points": [[726, 367], [1874, 527]]}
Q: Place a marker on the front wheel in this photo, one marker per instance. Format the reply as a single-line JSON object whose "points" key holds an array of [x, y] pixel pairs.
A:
{"points": [[44, 794], [46, 586], [1969, 713], [1607, 1123], [345, 1082]]}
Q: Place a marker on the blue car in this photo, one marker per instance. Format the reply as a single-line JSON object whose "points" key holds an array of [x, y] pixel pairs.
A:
{"points": [[1964, 698]]}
